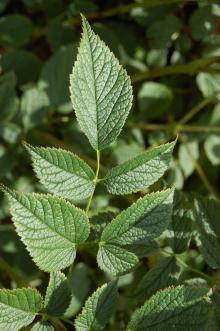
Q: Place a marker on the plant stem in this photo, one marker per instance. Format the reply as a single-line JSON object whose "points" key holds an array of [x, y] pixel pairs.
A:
{"points": [[178, 128], [194, 111], [19, 280], [96, 179], [190, 68], [187, 266], [121, 9]]}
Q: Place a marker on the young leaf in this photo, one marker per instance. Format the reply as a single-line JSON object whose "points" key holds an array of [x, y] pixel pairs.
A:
{"points": [[62, 172], [115, 260], [49, 226], [42, 326], [181, 308], [206, 215], [164, 274], [18, 308], [139, 172], [144, 221], [58, 295], [100, 89], [180, 228], [98, 308]]}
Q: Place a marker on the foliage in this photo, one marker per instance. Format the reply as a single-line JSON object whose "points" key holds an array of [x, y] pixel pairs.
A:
{"points": [[129, 239]]}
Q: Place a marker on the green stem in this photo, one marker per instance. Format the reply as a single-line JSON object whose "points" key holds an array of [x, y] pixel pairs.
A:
{"points": [[187, 266], [194, 111], [190, 68], [96, 179], [178, 128], [121, 9], [19, 280]]}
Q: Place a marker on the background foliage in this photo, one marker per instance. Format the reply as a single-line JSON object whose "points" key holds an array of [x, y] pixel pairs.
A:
{"points": [[171, 50]]}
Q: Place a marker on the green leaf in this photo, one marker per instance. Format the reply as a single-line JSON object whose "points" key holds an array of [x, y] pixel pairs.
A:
{"points": [[181, 308], [98, 308], [142, 222], [160, 32], [202, 22], [50, 227], [115, 260], [185, 153], [139, 172], [42, 326], [58, 34], [15, 30], [54, 76], [79, 275], [212, 148], [154, 99], [19, 61], [164, 274], [180, 228], [208, 84], [206, 214], [10, 132], [145, 219], [214, 322], [62, 172], [101, 92], [34, 106], [58, 294], [18, 308], [8, 96]]}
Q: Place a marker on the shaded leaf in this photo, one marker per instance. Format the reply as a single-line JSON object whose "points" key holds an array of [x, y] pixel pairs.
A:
{"points": [[154, 99], [98, 308], [206, 214], [164, 274], [15, 30], [180, 228], [58, 295], [181, 308]]}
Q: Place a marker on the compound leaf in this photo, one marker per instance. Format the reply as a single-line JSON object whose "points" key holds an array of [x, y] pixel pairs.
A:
{"points": [[50, 227], [115, 260], [42, 326], [62, 172], [181, 308], [58, 294], [164, 274], [98, 308], [206, 214], [100, 89], [139, 172], [18, 308]]}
